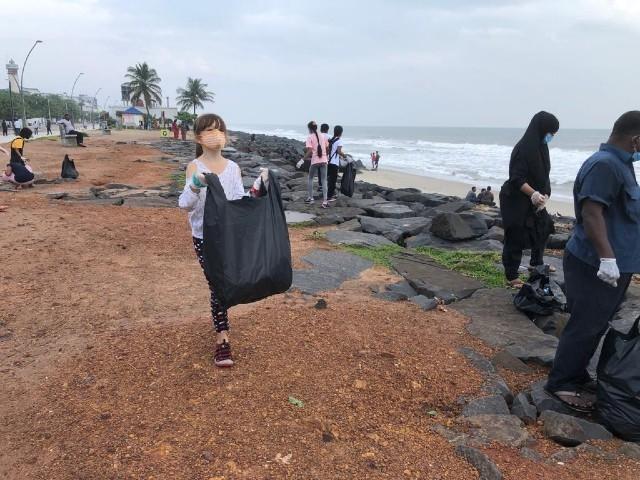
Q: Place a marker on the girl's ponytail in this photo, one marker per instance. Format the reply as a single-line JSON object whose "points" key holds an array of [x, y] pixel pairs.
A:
{"points": [[319, 146], [313, 127]]}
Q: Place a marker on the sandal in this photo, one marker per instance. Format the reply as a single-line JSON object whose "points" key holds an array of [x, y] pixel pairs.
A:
{"points": [[574, 400], [517, 283]]}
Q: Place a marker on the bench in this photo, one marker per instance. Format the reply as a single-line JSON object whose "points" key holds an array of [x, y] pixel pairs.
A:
{"points": [[68, 140]]}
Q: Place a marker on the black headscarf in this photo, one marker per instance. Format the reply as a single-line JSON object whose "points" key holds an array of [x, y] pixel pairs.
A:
{"points": [[530, 163]]}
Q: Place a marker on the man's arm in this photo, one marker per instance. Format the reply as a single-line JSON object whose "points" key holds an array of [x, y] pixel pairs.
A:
{"points": [[595, 228]]}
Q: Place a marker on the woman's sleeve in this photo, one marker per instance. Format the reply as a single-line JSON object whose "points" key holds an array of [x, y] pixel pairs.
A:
{"points": [[518, 170], [238, 190]]}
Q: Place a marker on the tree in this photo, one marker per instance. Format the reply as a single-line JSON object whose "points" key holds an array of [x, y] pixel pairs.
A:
{"points": [[143, 82], [194, 95], [38, 105]]}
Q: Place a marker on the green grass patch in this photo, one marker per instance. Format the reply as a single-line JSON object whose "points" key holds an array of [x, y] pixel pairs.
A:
{"points": [[480, 265], [307, 224], [178, 178], [378, 255]]}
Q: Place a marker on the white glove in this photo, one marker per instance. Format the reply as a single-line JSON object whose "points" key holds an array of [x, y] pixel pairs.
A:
{"points": [[608, 271], [537, 199], [543, 205], [262, 178], [300, 163]]}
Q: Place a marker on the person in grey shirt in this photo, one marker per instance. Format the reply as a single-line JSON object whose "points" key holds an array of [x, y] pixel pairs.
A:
{"points": [[70, 129], [472, 196], [600, 258]]}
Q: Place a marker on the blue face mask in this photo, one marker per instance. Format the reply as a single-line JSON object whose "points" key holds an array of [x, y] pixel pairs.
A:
{"points": [[548, 137]]}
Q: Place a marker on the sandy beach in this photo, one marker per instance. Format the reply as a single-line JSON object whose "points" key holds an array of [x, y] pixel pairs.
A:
{"points": [[395, 179]]}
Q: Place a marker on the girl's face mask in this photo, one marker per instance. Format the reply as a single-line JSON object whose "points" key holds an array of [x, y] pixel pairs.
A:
{"points": [[212, 139]]}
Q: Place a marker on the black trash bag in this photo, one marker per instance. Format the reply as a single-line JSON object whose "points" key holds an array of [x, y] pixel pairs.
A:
{"points": [[540, 296], [247, 254], [348, 182], [619, 383], [69, 168]]}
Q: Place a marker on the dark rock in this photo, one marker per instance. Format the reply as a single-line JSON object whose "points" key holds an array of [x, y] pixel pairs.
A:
{"points": [[321, 304], [552, 324], [118, 202], [399, 227], [522, 409], [480, 461], [329, 219], [530, 454], [453, 437], [630, 450], [426, 239], [558, 241], [436, 199], [431, 280], [495, 320], [352, 225], [506, 430], [207, 455], [57, 195], [504, 359], [343, 237], [492, 405], [478, 361], [151, 202], [389, 210], [478, 226], [403, 288], [120, 186], [423, 302], [455, 207], [391, 296], [298, 217], [495, 233], [571, 431], [329, 270], [495, 385], [451, 226]]}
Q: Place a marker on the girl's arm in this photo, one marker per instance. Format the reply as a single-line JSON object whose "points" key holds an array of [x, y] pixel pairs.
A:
{"points": [[189, 196], [238, 187]]}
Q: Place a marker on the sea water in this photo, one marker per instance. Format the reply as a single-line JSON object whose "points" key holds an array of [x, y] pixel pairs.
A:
{"points": [[475, 156]]}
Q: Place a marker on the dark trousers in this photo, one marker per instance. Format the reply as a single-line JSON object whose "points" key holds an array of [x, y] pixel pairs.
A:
{"points": [[219, 314], [512, 252], [592, 304], [4, 131], [49, 132], [332, 179], [79, 136]]}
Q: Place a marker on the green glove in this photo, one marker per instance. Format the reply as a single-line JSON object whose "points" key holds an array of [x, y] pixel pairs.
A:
{"points": [[195, 181]]}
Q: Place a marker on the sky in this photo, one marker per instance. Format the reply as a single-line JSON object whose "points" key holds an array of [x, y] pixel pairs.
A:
{"points": [[454, 63]]}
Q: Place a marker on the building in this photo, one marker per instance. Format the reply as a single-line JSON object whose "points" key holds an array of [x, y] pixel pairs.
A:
{"points": [[132, 117], [14, 80], [157, 112]]}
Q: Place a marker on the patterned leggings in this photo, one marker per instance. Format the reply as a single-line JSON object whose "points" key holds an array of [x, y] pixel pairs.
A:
{"points": [[218, 311]]}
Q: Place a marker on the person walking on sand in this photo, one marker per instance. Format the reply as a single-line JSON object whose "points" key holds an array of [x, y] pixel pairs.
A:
{"points": [[600, 258], [335, 154], [471, 196], [174, 129], [211, 136], [373, 160], [316, 150], [377, 159], [69, 129], [5, 128], [524, 195], [184, 128], [49, 132]]}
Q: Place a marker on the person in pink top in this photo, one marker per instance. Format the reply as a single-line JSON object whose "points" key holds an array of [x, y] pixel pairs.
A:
{"points": [[316, 149]]}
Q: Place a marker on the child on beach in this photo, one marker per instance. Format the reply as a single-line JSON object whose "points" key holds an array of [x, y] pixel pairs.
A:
{"points": [[210, 135], [316, 150]]}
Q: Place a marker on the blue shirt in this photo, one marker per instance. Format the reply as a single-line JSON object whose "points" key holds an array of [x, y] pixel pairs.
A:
{"points": [[608, 177]]}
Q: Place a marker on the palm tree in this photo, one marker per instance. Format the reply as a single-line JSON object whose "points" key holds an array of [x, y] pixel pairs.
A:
{"points": [[143, 82], [193, 96]]}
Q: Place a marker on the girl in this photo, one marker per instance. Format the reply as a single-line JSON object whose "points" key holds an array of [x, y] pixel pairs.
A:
{"points": [[316, 149], [210, 134], [17, 146], [18, 171], [524, 195]]}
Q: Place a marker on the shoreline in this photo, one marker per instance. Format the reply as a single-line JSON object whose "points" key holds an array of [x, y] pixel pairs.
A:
{"points": [[394, 179]]}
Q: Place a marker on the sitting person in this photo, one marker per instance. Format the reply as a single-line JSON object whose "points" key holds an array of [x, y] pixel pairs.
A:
{"points": [[69, 129], [488, 197], [472, 196], [17, 146], [481, 196], [19, 175]]}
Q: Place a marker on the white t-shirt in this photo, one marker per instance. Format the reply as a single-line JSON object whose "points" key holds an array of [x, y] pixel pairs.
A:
{"points": [[68, 126], [334, 158]]}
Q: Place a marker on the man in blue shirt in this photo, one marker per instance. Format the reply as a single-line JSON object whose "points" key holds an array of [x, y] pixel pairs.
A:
{"points": [[600, 258]]}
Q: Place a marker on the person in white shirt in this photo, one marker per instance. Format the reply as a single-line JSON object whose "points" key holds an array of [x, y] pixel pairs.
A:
{"points": [[324, 130], [69, 129], [335, 154]]}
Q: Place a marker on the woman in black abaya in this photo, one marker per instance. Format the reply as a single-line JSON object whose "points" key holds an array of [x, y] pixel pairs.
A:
{"points": [[523, 197]]}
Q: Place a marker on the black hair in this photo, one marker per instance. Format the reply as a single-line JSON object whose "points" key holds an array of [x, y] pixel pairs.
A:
{"points": [[337, 131], [25, 132], [313, 128], [489, 188], [324, 128], [473, 188], [627, 124]]}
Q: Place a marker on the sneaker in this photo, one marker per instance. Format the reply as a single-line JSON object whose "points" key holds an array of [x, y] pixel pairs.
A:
{"points": [[222, 357], [325, 204], [309, 201]]}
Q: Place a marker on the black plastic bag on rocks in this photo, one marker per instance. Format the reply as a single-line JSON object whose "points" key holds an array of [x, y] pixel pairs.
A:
{"points": [[619, 383], [348, 182], [247, 254], [69, 168], [540, 296]]}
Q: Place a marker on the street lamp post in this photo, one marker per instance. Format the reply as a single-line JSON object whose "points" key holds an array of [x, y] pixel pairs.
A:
{"points": [[24, 65], [72, 89], [93, 105], [104, 108]]}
